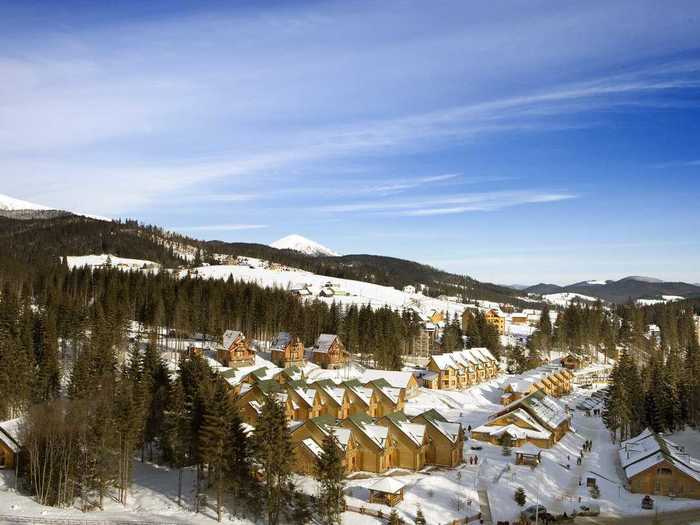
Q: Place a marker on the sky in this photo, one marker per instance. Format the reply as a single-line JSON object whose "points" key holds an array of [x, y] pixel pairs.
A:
{"points": [[517, 142]]}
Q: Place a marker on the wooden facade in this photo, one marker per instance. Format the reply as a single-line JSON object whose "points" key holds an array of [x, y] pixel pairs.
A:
{"points": [[236, 351], [495, 319], [287, 351], [411, 441], [445, 439], [329, 352]]}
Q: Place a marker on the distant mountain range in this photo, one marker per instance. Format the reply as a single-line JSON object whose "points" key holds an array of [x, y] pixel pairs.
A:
{"points": [[632, 287]]}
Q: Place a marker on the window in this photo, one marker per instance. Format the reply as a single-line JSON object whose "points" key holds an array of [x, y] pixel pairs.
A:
{"points": [[664, 471]]}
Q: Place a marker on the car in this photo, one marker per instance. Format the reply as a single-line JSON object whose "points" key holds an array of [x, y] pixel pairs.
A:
{"points": [[534, 511], [588, 509], [476, 447], [647, 502]]}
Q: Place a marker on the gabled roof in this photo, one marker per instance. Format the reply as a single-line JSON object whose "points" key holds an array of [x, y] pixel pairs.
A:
{"points": [[648, 449], [281, 341], [9, 433], [377, 434], [324, 343], [230, 337], [415, 432], [450, 430], [394, 378]]}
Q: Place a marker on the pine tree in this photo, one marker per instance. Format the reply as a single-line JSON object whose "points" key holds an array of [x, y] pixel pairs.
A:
{"points": [[213, 441], [520, 497], [330, 474], [274, 454], [394, 518], [176, 433]]}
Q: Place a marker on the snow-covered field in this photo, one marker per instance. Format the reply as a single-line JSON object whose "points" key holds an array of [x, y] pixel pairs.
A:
{"points": [[664, 299], [564, 298], [360, 292], [95, 261]]}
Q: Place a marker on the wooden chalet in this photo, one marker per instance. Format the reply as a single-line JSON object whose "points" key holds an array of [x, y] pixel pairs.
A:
{"points": [[654, 464], [528, 454], [363, 399], [253, 396], [497, 320], [329, 352], [305, 402], [291, 373], [287, 351], [390, 399], [573, 361], [236, 351], [308, 444], [335, 400], [463, 368], [411, 441], [445, 439], [405, 381], [377, 450]]}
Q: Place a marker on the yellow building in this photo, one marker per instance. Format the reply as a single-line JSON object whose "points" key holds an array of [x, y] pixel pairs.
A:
{"points": [[495, 319], [363, 399], [445, 439], [411, 441], [377, 450], [308, 444]]}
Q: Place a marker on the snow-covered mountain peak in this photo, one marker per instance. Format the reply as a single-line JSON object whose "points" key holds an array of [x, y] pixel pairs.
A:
{"points": [[8, 203], [303, 245]]}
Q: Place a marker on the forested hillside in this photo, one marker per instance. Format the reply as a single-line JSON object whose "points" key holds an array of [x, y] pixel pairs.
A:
{"points": [[43, 241]]}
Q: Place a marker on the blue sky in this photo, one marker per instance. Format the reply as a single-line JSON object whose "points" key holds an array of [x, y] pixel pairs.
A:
{"points": [[526, 142]]}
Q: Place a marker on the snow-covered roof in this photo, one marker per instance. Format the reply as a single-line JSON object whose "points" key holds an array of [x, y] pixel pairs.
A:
{"points": [[281, 341], [413, 431], [528, 449], [376, 433], [387, 485], [9, 433], [394, 378], [230, 337], [648, 449], [324, 343], [513, 430]]}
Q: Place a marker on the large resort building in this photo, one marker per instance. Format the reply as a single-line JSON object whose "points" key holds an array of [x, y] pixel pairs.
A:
{"points": [[463, 368]]}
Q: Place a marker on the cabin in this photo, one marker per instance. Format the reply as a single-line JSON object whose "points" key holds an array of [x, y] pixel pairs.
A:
{"points": [[9, 443], [428, 379], [528, 454], [236, 351], [386, 491], [519, 318], [308, 444], [253, 397], [574, 361], [411, 441], [497, 320], [335, 400], [291, 373], [655, 465], [390, 399], [377, 450], [329, 352], [363, 399], [306, 402], [287, 351], [405, 381], [445, 439]]}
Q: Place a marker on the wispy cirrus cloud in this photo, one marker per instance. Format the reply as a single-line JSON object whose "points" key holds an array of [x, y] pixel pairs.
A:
{"points": [[220, 227], [456, 204]]}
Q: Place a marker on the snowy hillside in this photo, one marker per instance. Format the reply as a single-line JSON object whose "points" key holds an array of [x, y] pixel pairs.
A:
{"points": [[11, 204], [328, 289], [107, 260], [303, 245], [564, 298]]}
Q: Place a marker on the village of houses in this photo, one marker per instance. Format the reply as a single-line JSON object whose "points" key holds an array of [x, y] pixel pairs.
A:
{"points": [[432, 436]]}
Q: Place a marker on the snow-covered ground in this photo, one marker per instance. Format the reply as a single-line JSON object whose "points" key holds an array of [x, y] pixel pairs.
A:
{"points": [[564, 298], [95, 261], [360, 292], [664, 299]]}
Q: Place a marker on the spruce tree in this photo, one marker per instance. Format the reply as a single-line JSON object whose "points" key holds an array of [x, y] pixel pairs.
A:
{"points": [[274, 454], [330, 474], [420, 518], [520, 497]]}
